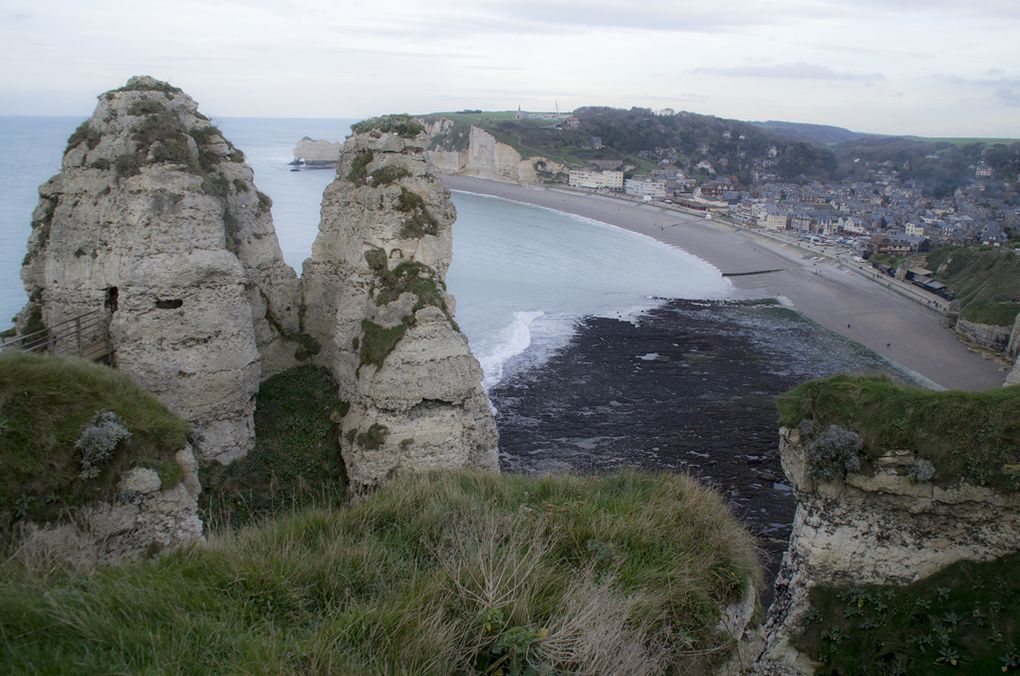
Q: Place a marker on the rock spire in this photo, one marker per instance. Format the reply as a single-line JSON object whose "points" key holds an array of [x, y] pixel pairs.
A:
{"points": [[376, 302], [154, 223]]}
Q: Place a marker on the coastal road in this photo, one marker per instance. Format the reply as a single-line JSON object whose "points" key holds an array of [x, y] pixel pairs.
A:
{"points": [[843, 301]]}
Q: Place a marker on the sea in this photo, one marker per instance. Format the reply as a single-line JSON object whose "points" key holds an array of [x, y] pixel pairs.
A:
{"points": [[523, 276]]}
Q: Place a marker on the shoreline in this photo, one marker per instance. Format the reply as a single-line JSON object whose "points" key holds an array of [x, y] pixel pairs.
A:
{"points": [[892, 325]]}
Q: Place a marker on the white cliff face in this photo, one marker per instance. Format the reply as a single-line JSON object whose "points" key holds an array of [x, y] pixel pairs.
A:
{"points": [[376, 302], [317, 152], [485, 157], [145, 518], [986, 335], [878, 529], [154, 220], [1013, 350]]}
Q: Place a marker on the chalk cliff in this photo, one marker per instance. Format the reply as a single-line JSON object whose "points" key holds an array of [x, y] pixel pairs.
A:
{"points": [[317, 153], [376, 302], [154, 224], [485, 157], [880, 528], [986, 335]]}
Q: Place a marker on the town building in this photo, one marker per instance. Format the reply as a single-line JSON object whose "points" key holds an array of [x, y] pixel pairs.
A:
{"points": [[649, 189], [596, 180]]}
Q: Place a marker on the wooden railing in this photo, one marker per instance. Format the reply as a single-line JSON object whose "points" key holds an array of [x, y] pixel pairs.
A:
{"points": [[86, 336]]}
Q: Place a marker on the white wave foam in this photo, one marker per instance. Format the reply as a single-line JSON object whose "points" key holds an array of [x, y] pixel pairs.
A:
{"points": [[509, 342]]}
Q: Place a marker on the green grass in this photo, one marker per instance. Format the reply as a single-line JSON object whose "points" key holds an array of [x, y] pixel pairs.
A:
{"points": [[154, 86], [389, 174], [86, 134], [410, 277], [996, 313], [296, 460], [399, 123], [359, 167], [418, 221], [377, 342], [455, 572], [985, 281], [963, 620], [968, 436], [45, 402]]}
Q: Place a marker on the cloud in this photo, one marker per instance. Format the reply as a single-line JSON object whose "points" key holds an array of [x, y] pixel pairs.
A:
{"points": [[800, 71], [1006, 89], [651, 16], [989, 9], [1008, 92]]}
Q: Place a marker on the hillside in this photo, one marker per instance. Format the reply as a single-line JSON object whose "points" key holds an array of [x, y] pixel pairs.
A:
{"points": [[986, 282], [938, 166], [815, 134], [642, 138]]}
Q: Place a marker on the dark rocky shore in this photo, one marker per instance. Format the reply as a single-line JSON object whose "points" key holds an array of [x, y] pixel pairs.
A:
{"points": [[690, 386]]}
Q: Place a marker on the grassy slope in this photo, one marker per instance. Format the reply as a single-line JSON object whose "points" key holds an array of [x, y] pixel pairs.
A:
{"points": [[296, 459], [45, 402], [435, 573], [985, 281], [963, 620], [966, 435]]}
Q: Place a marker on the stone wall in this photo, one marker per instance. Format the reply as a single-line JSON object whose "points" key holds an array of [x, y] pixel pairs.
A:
{"points": [[883, 528]]}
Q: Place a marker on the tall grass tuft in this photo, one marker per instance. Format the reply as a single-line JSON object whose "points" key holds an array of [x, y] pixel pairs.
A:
{"points": [[439, 573]]}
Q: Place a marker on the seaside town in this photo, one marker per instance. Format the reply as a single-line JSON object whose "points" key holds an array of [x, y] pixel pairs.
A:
{"points": [[882, 215]]}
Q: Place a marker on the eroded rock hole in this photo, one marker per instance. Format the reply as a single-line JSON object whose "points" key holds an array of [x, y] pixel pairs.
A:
{"points": [[110, 303]]}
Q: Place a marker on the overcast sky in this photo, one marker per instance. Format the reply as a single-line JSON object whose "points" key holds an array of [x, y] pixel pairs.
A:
{"points": [[931, 67]]}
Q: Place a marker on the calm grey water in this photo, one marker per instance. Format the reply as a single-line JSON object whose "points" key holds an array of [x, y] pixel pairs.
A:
{"points": [[522, 275]]}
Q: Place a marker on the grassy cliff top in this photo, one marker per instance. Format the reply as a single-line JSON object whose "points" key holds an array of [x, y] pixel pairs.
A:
{"points": [[458, 572], [986, 281], [45, 404], [967, 436], [397, 123]]}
